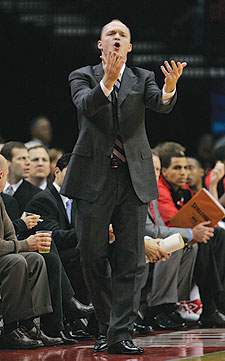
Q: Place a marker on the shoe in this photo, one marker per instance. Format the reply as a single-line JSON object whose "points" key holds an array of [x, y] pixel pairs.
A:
{"points": [[37, 334], [67, 339], [215, 319], [186, 313], [18, 340], [100, 343], [77, 334], [63, 335], [195, 306], [74, 308], [164, 322], [125, 347], [142, 329]]}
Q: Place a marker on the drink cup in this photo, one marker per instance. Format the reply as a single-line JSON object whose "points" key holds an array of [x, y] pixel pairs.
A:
{"points": [[172, 243], [50, 239]]}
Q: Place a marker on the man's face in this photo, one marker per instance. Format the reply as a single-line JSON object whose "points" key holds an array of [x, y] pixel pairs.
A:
{"points": [[115, 37], [40, 163], [59, 175], [195, 173], [177, 172], [19, 166], [157, 166], [43, 130]]}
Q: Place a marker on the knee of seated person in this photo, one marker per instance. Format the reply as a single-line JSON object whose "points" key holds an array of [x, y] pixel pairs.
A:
{"points": [[52, 261], [17, 261]]}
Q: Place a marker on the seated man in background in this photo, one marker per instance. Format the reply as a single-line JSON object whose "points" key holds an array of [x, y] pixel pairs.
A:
{"points": [[41, 132], [55, 210], [171, 280], [24, 283], [39, 166], [19, 167], [209, 276]]}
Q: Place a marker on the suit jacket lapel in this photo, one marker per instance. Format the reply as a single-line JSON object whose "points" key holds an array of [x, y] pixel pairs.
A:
{"points": [[98, 71], [128, 82], [58, 199]]}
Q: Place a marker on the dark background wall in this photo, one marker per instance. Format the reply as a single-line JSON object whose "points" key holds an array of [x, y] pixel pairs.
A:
{"points": [[38, 53]]}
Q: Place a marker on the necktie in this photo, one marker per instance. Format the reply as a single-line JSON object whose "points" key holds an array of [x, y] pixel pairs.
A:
{"points": [[68, 209], [9, 190], [118, 149]]}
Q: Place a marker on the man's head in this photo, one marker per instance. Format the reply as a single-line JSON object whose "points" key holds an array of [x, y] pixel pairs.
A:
{"points": [[169, 147], [196, 172], [3, 172], [39, 165], [175, 169], [41, 128], [61, 167], [18, 161], [115, 37], [157, 164]]}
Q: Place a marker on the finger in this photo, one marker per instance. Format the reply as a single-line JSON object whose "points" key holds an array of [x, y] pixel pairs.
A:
{"points": [[184, 64], [164, 70], [168, 65]]}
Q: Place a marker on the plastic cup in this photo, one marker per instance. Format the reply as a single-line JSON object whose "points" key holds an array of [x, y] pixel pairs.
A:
{"points": [[45, 250]]}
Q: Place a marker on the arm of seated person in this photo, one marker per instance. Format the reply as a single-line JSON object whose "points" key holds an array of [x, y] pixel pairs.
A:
{"points": [[153, 252]]}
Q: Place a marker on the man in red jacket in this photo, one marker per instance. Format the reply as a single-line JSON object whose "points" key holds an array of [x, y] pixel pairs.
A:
{"points": [[209, 276]]}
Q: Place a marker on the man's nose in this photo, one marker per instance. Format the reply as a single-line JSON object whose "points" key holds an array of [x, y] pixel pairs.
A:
{"points": [[117, 36]]}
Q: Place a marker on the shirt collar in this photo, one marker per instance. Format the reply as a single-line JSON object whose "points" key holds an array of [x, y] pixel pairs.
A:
{"points": [[122, 71], [15, 186], [64, 199]]}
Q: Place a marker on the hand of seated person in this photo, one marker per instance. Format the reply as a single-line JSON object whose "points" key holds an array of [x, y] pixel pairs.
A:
{"points": [[111, 234], [202, 232], [217, 173], [39, 241], [30, 221], [153, 252]]}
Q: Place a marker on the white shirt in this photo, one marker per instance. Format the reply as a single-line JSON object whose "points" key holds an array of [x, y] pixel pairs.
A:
{"points": [[64, 199], [14, 186]]}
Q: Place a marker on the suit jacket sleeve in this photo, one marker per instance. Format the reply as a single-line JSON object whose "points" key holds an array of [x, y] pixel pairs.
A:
{"points": [[87, 96], [49, 213], [8, 241], [162, 231]]}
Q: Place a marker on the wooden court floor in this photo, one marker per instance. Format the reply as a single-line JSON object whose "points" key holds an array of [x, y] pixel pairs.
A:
{"points": [[194, 344]]}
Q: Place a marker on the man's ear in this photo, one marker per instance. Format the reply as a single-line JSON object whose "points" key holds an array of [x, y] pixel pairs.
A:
{"points": [[100, 45], [57, 171], [1, 174], [164, 171], [130, 47]]}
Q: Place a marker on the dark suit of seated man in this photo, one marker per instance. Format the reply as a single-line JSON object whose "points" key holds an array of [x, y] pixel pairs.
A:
{"points": [[24, 283], [52, 208], [50, 205]]}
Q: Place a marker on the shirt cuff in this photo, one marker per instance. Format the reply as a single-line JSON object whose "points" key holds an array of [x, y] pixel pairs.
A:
{"points": [[190, 234], [167, 97], [105, 90]]}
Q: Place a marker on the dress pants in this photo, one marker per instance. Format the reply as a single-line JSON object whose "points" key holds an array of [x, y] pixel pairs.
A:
{"points": [[210, 271], [172, 279], [114, 281], [24, 286], [71, 262], [60, 289]]}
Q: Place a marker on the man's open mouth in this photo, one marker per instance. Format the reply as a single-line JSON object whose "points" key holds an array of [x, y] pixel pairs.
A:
{"points": [[117, 45]]}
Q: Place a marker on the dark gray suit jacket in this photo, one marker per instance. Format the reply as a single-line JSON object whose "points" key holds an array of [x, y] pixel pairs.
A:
{"points": [[90, 162]]}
